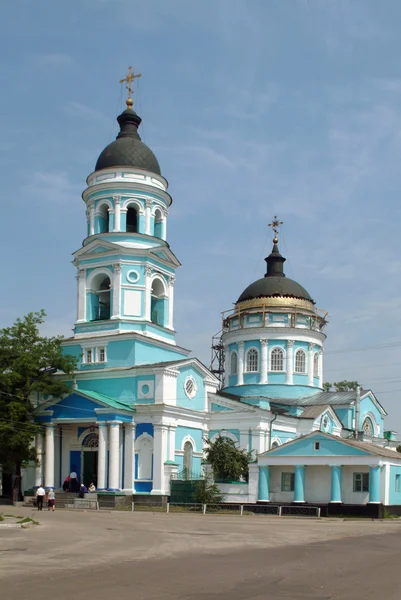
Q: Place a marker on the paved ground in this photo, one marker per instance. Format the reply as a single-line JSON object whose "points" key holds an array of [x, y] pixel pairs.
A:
{"points": [[194, 557]]}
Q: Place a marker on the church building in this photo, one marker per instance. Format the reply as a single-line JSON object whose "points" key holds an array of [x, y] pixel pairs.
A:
{"points": [[140, 406]]}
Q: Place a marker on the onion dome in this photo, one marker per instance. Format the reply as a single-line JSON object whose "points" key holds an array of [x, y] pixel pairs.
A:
{"points": [[275, 284], [128, 150]]}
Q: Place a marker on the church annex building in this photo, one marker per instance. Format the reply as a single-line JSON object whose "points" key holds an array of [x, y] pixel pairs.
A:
{"points": [[140, 406]]}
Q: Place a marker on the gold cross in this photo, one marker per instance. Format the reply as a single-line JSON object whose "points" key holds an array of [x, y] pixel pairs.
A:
{"points": [[128, 80], [275, 224]]}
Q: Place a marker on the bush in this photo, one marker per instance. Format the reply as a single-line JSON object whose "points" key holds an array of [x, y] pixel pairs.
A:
{"points": [[207, 492]]}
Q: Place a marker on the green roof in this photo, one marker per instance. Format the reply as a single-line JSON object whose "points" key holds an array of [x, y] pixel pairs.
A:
{"points": [[112, 402]]}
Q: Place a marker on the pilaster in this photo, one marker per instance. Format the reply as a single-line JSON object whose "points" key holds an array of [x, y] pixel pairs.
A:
{"points": [[129, 455], [117, 213], [310, 364], [159, 458], [147, 216], [148, 273], [171, 282], [290, 362], [264, 361], [81, 295], [240, 375], [116, 291]]}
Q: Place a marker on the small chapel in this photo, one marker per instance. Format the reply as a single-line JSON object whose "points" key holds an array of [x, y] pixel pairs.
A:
{"points": [[140, 406]]}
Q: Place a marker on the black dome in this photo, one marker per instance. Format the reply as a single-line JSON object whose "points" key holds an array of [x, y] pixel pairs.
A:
{"points": [[274, 283], [128, 150], [268, 287]]}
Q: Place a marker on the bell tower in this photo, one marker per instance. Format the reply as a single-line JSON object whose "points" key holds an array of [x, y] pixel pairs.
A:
{"points": [[125, 268]]}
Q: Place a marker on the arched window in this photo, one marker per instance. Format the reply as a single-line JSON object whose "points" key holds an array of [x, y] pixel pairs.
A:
{"points": [[277, 359], [158, 300], [234, 363], [316, 364], [103, 219], [158, 223], [100, 298], [274, 445], [252, 360], [132, 220], [300, 361], [188, 453], [367, 427]]}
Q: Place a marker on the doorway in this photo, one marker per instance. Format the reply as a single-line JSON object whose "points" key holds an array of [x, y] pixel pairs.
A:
{"points": [[90, 467]]}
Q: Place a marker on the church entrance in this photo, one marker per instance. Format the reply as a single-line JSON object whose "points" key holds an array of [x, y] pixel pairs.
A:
{"points": [[90, 447], [90, 467]]}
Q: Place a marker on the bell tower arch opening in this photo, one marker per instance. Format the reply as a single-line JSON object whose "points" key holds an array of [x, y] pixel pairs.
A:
{"points": [[158, 302], [132, 219], [100, 298]]}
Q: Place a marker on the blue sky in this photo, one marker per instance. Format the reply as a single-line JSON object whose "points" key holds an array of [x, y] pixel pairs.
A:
{"points": [[253, 108]]}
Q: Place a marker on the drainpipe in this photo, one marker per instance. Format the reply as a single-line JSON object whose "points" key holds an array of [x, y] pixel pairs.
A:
{"points": [[270, 434], [357, 411]]}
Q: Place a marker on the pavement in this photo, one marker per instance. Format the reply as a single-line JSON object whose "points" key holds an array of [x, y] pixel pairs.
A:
{"points": [[197, 557]]}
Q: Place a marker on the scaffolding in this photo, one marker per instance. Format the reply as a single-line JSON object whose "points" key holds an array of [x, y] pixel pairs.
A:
{"points": [[217, 362]]}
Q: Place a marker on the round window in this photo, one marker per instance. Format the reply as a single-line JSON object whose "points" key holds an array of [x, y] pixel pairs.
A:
{"points": [[145, 389], [133, 276], [190, 387]]}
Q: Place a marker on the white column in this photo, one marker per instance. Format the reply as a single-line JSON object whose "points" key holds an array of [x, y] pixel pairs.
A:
{"points": [[81, 295], [164, 227], [117, 212], [129, 456], [170, 302], [290, 362], [171, 443], [240, 366], [39, 460], [310, 364], [159, 454], [92, 219], [147, 216], [114, 460], [49, 457], [263, 361], [102, 457], [148, 272], [116, 291], [320, 368]]}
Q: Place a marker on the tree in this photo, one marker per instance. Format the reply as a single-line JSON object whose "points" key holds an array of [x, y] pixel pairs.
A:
{"points": [[207, 492], [227, 460], [27, 364], [341, 386]]}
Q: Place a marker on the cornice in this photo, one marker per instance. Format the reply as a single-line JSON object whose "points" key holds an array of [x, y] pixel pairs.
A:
{"points": [[131, 186], [256, 333]]}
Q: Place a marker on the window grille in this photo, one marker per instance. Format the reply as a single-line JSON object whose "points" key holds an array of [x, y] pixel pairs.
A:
{"points": [[277, 360], [88, 357], [252, 360], [300, 361], [361, 482], [367, 427]]}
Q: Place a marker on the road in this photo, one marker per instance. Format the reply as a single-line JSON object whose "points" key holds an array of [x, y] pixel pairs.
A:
{"points": [[194, 557]]}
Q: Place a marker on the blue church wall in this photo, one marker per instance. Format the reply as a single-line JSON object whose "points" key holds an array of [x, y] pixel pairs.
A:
{"points": [[300, 379], [272, 391], [143, 428], [122, 388], [196, 403], [251, 378], [328, 447], [196, 434], [277, 377], [75, 462], [75, 407], [316, 381], [232, 380], [395, 485], [345, 415], [368, 406], [283, 436], [149, 353]]}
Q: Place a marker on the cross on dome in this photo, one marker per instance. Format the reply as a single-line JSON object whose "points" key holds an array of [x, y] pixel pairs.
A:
{"points": [[275, 224], [128, 80]]}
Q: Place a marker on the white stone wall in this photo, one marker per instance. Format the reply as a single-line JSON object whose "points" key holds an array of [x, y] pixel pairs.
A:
{"points": [[317, 484], [348, 495]]}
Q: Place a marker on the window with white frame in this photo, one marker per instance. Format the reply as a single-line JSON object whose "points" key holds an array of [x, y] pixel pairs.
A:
{"points": [[316, 364], [277, 359], [398, 484], [88, 355], [300, 361], [252, 360], [234, 363], [367, 427], [190, 387], [101, 354], [287, 482], [361, 482]]}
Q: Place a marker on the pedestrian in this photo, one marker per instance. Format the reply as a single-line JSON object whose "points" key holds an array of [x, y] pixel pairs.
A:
{"points": [[83, 490], [73, 481], [92, 487], [40, 494], [51, 500]]}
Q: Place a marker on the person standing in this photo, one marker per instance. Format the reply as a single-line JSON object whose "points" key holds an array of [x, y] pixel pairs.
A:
{"points": [[51, 500], [73, 481], [40, 494]]}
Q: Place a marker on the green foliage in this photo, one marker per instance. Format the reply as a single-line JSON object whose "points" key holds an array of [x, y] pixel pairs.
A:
{"points": [[398, 448], [27, 364], [207, 492], [229, 463], [341, 386]]}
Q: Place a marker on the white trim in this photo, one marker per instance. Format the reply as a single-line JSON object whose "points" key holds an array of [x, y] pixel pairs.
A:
{"points": [[225, 434], [192, 394], [99, 203], [275, 440], [127, 203], [190, 439], [99, 271], [159, 277]]}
